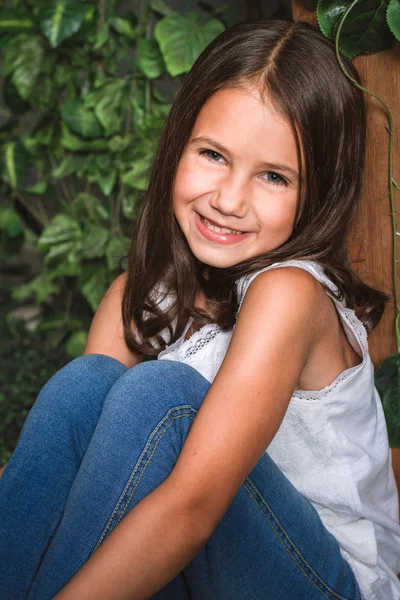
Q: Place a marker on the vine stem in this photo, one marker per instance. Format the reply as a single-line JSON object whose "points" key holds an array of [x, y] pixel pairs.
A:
{"points": [[391, 180]]}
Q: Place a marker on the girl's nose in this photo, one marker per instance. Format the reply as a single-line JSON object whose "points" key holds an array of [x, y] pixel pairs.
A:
{"points": [[231, 198]]}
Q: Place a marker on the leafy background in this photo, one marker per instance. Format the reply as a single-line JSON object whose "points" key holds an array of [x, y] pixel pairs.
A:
{"points": [[85, 88]]}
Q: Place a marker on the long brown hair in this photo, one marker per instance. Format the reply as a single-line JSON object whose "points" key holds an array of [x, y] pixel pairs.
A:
{"points": [[297, 67]]}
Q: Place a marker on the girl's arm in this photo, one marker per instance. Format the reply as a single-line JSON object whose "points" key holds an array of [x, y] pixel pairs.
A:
{"points": [[106, 334], [277, 326]]}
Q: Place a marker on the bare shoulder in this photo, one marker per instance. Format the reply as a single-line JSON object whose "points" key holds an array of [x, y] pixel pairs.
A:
{"points": [[106, 334], [286, 297]]}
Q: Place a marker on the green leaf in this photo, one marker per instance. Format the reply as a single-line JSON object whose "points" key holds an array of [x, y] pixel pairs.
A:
{"points": [[14, 163], [130, 204], [117, 248], [161, 7], [137, 176], [62, 240], [73, 143], [10, 222], [69, 165], [94, 284], [40, 286], [22, 61], [12, 22], [393, 17], [108, 108], [12, 98], [365, 29], [182, 38], [81, 120], [38, 189], [150, 60], [107, 181], [88, 206], [102, 37], [123, 26], [95, 241], [76, 343], [60, 20], [387, 382]]}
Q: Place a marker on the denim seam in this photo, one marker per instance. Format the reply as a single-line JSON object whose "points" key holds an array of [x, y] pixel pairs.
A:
{"points": [[291, 543], [139, 462]]}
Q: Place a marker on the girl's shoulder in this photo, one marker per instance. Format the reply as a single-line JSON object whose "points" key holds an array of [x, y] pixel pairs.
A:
{"points": [[311, 266]]}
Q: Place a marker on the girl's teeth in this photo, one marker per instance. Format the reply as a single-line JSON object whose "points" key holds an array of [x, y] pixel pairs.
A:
{"points": [[220, 229]]}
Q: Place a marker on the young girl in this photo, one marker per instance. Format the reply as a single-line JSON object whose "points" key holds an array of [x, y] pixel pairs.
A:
{"points": [[250, 461]]}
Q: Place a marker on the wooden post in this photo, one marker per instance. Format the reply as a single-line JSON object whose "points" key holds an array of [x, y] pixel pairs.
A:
{"points": [[371, 240]]}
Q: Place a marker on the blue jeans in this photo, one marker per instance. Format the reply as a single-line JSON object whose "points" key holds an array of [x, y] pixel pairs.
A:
{"points": [[99, 438]]}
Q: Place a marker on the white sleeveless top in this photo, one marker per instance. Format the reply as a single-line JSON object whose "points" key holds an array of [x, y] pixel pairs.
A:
{"points": [[332, 445]]}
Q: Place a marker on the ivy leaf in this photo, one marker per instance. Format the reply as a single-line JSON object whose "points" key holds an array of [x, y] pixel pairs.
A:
{"points": [[393, 17], [81, 120], [150, 60], [106, 181], [40, 286], [161, 7], [68, 166], [117, 248], [60, 20], [89, 207], [94, 282], [37, 189], [365, 29], [14, 164], [387, 382], [95, 241], [11, 222], [182, 38], [62, 240], [108, 106], [123, 26], [76, 343], [22, 61], [137, 176], [13, 22]]}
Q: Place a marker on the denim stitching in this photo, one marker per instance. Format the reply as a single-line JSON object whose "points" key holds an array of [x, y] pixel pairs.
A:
{"points": [[150, 457], [282, 530], [138, 464]]}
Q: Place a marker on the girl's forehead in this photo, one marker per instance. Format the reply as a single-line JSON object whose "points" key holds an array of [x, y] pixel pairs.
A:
{"points": [[243, 120]]}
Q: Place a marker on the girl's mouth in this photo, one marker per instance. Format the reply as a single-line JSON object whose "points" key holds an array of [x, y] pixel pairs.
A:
{"points": [[218, 234]]}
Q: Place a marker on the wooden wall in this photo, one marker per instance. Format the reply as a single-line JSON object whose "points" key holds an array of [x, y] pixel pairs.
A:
{"points": [[371, 240]]}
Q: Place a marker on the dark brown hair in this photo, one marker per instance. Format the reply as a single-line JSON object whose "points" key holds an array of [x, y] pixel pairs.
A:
{"points": [[297, 67]]}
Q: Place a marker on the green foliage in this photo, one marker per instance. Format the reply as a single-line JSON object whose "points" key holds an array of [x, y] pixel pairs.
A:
{"points": [[387, 381], [371, 25], [28, 360], [85, 75]]}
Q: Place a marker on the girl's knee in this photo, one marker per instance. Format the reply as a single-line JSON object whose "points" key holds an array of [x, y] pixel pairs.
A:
{"points": [[165, 382], [78, 384]]}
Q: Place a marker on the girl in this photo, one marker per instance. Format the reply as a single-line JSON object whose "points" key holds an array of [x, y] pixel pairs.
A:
{"points": [[250, 461]]}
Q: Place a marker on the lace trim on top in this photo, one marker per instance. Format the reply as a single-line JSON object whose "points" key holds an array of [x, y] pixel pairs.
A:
{"points": [[197, 341], [360, 334]]}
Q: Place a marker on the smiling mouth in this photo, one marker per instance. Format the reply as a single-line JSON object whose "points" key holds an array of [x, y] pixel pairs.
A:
{"points": [[219, 229]]}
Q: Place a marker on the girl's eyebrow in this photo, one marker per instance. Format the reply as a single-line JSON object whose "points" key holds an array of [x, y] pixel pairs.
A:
{"points": [[268, 165]]}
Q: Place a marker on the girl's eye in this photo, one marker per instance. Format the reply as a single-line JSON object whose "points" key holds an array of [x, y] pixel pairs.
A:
{"points": [[211, 155], [279, 181]]}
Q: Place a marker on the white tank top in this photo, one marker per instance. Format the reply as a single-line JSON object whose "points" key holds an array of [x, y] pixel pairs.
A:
{"points": [[332, 445]]}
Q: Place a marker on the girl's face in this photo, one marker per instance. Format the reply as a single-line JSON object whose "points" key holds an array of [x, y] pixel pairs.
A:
{"points": [[239, 171]]}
